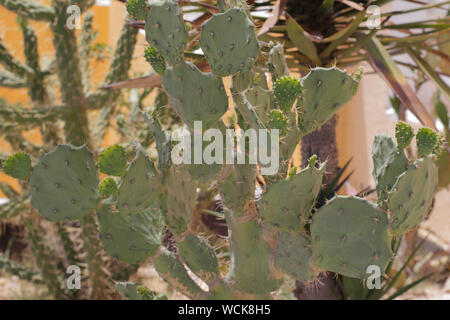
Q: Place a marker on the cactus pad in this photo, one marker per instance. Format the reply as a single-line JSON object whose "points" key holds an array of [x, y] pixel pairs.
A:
{"points": [[130, 240], [140, 187], [195, 95], [410, 199], [262, 101], [165, 30], [293, 256], [388, 163], [113, 161], [243, 80], [180, 199], [277, 62], [238, 187], [404, 133], [286, 90], [324, 91], [251, 271], [64, 182], [426, 141], [229, 42], [291, 213], [348, 235], [18, 166], [174, 273], [199, 256]]}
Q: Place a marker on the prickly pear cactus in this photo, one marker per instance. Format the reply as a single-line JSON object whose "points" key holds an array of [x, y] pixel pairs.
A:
{"points": [[325, 90], [389, 162], [64, 183], [348, 235], [229, 43], [18, 166], [195, 95], [404, 134], [410, 200], [130, 240], [165, 30]]}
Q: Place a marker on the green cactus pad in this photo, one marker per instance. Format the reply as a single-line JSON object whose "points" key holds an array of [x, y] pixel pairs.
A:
{"points": [[108, 187], [229, 42], [410, 199], [64, 183], [238, 187], [18, 166], [291, 213], [179, 201], [293, 256], [348, 235], [155, 59], [251, 269], [243, 80], [262, 101], [140, 187], [113, 161], [137, 9], [195, 95], [165, 30], [199, 256], [278, 120], [277, 62], [388, 163], [130, 240], [324, 91], [404, 133], [426, 141], [286, 90], [174, 273], [221, 292]]}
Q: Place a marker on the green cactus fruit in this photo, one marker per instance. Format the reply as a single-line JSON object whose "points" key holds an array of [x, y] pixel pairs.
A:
{"points": [[286, 90], [410, 200], [179, 201], [243, 80], [388, 163], [404, 133], [293, 256], [238, 188], [426, 141], [229, 42], [195, 95], [130, 240], [155, 59], [137, 9], [262, 101], [113, 161], [108, 187], [291, 213], [324, 91], [64, 183], [278, 120], [200, 257], [277, 62], [165, 30], [140, 187], [173, 272], [18, 166], [250, 269], [350, 234]]}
